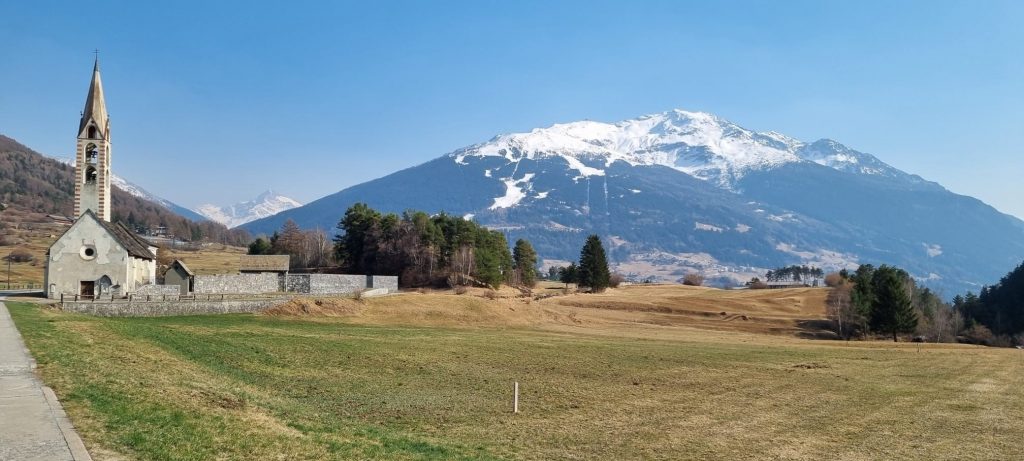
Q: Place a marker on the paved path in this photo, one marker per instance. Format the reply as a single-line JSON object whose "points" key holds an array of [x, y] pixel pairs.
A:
{"points": [[33, 425]]}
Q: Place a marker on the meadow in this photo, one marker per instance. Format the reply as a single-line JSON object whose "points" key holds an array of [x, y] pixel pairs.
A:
{"points": [[430, 376]]}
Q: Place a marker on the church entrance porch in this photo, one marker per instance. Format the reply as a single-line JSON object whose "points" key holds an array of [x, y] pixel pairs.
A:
{"points": [[88, 289]]}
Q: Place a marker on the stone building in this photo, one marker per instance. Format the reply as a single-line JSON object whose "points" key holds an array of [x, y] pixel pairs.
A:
{"points": [[95, 257], [179, 274]]}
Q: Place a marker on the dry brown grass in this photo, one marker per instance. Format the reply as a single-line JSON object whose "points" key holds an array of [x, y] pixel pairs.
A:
{"points": [[663, 311]]}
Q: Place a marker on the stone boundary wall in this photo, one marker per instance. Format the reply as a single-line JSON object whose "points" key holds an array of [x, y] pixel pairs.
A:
{"points": [[387, 282], [177, 307], [144, 290], [266, 282], [328, 284]]}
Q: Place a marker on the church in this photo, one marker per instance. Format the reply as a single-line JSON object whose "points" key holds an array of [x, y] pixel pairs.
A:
{"points": [[95, 257]]}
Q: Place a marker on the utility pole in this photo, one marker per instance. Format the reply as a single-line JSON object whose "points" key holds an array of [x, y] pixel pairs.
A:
{"points": [[9, 269]]}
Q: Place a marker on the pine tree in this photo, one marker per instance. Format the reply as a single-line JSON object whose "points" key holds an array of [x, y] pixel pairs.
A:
{"points": [[259, 247], [524, 260], [891, 309], [569, 274], [594, 271]]}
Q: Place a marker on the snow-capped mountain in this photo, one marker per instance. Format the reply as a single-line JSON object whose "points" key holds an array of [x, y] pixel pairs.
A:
{"points": [[264, 205], [697, 143], [682, 191]]}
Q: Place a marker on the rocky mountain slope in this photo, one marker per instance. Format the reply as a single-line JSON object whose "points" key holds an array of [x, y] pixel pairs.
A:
{"points": [[685, 191], [33, 183]]}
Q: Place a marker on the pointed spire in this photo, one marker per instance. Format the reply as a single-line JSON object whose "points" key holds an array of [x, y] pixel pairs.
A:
{"points": [[95, 106]]}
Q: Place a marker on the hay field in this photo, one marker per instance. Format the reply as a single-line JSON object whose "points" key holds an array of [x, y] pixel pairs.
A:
{"points": [[429, 376]]}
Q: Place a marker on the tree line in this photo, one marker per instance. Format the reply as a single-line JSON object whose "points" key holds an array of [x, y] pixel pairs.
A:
{"points": [[886, 300], [422, 250], [996, 314]]}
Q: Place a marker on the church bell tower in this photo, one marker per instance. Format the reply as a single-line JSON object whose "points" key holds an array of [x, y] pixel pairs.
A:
{"points": [[92, 158]]}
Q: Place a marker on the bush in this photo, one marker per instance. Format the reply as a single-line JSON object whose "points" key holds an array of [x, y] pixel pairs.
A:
{"points": [[757, 284], [491, 294], [615, 280], [19, 256], [833, 280], [461, 290], [693, 279], [979, 334], [6, 241]]}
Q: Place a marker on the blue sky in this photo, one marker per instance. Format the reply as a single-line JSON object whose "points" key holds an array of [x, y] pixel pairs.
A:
{"points": [[218, 101]]}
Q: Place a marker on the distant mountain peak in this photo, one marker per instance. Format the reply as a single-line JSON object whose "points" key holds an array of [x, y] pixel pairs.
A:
{"points": [[700, 144], [265, 204]]}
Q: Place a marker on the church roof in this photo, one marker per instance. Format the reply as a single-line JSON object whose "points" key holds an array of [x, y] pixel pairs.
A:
{"points": [[263, 263], [126, 238], [95, 106]]}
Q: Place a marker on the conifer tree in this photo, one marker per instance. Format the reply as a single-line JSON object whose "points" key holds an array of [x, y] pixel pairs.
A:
{"points": [[594, 271], [891, 309], [525, 262]]}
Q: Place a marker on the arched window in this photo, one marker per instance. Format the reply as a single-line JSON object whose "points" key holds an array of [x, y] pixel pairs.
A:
{"points": [[93, 132], [90, 175], [92, 154]]}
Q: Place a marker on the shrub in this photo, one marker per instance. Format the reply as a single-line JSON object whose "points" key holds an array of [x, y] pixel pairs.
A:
{"points": [[979, 334], [833, 280], [6, 241], [19, 256], [693, 279], [615, 280], [491, 294], [756, 284], [461, 290]]}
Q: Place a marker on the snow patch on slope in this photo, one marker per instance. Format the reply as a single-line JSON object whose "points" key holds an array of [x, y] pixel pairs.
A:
{"points": [[513, 192]]}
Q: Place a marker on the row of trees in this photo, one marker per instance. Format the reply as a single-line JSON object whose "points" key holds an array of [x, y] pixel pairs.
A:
{"points": [[998, 308], [308, 249], [886, 300], [795, 273], [592, 271], [422, 250]]}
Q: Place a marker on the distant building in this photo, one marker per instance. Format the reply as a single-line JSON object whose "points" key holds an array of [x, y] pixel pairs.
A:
{"points": [[258, 264], [179, 274], [95, 257], [786, 284]]}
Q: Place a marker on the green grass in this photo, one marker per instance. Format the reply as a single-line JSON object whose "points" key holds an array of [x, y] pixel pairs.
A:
{"points": [[253, 387]]}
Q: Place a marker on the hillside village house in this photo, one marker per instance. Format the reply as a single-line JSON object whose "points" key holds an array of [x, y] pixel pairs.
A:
{"points": [[95, 257]]}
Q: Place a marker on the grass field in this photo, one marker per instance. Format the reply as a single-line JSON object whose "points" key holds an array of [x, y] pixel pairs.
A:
{"points": [[430, 377]]}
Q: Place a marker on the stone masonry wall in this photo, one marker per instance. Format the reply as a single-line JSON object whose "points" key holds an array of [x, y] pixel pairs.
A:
{"points": [[161, 308], [387, 282], [242, 284], [328, 284], [144, 290], [297, 283]]}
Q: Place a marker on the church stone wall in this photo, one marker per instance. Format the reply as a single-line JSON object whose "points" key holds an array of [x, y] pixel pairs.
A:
{"points": [[238, 284], [162, 290], [171, 307]]}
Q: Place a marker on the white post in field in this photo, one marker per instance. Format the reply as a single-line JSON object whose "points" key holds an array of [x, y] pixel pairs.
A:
{"points": [[515, 399]]}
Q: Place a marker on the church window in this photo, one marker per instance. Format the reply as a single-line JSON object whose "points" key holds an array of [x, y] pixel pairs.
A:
{"points": [[90, 175], [92, 132], [91, 154], [88, 252]]}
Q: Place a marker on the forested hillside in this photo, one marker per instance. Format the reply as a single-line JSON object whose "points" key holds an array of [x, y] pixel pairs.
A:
{"points": [[30, 181]]}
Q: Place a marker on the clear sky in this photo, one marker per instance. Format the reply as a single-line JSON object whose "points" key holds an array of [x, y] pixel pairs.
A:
{"points": [[216, 101]]}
